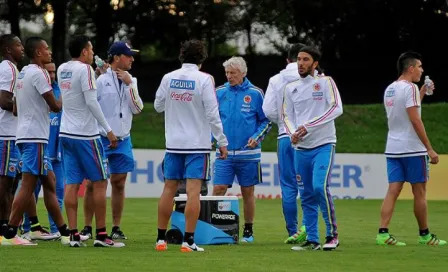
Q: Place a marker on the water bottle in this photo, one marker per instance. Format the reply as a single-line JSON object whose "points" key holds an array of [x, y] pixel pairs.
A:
{"points": [[99, 62], [428, 83]]}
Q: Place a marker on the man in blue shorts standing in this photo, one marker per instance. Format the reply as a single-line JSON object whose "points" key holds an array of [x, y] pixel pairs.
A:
{"points": [[82, 150], [119, 100], [408, 149], [240, 108]]}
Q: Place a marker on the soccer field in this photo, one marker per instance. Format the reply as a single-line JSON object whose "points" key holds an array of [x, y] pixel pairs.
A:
{"points": [[358, 225]]}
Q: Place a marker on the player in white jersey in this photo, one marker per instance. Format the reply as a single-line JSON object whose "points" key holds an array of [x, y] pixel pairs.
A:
{"points": [[33, 99], [119, 100], [82, 151], [187, 96], [310, 107], [408, 149], [11, 50], [272, 107]]}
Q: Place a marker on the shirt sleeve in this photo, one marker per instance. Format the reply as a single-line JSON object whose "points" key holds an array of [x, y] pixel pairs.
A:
{"points": [[159, 103], [8, 78], [88, 81], [412, 96], [41, 81], [288, 111], [264, 124], [210, 103], [270, 103], [135, 103]]}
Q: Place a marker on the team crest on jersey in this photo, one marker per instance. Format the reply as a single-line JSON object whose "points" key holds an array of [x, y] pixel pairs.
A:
{"points": [[46, 166], [247, 99], [12, 168], [316, 87], [20, 164], [298, 178]]}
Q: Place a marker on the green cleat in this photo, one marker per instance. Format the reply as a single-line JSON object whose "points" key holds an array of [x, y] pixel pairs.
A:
{"points": [[431, 240], [297, 238], [386, 239]]}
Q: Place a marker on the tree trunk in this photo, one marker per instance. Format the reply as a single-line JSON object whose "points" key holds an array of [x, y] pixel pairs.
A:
{"points": [[59, 30], [104, 29], [14, 16]]}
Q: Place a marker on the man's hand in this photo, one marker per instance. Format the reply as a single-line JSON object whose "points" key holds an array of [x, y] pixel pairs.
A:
{"points": [[426, 88], [301, 131], [102, 70], [295, 138], [252, 143], [124, 76], [433, 156], [112, 140], [223, 152]]}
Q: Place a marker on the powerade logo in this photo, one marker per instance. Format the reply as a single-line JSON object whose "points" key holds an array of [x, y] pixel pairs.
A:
{"points": [[182, 84]]}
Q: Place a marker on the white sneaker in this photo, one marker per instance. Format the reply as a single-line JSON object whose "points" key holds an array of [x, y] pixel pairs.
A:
{"points": [[26, 236], [16, 241], [84, 237], [107, 243], [187, 248], [331, 243], [40, 235]]}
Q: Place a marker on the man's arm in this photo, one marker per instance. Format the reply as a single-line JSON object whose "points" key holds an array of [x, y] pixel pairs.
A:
{"points": [[264, 124], [131, 92], [270, 103], [135, 102], [41, 81], [212, 113], [413, 103], [159, 103], [6, 102], [334, 110], [288, 111]]}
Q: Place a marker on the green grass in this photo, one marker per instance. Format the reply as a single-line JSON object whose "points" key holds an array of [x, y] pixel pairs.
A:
{"points": [[361, 129], [357, 220]]}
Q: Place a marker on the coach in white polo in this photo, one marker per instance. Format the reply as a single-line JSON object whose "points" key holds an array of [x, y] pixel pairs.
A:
{"points": [[119, 100]]}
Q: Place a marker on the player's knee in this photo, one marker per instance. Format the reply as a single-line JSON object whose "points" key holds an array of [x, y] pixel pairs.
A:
{"points": [[248, 192], [395, 189], [219, 190], [118, 186], [419, 191]]}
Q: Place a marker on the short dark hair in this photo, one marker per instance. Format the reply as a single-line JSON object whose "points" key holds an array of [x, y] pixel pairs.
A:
{"points": [[193, 51], [313, 51], [30, 46], [5, 41], [77, 44], [294, 51], [406, 60]]}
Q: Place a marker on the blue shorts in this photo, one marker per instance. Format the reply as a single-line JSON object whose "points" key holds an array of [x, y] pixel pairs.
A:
{"points": [[34, 159], [83, 159], [120, 160], [177, 166], [9, 157], [248, 173], [410, 169]]}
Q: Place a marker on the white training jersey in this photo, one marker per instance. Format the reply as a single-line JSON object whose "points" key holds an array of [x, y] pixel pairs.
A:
{"points": [[402, 140], [273, 100], [33, 124], [77, 121], [8, 79], [312, 102], [188, 98]]}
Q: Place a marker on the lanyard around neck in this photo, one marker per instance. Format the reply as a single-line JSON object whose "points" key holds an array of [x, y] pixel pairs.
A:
{"points": [[118, 89]]}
